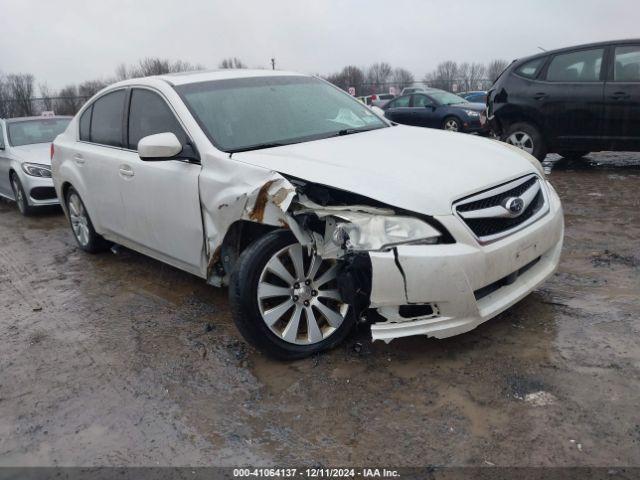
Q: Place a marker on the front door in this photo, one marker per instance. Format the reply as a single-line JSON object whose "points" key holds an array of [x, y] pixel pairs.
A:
{"points": [[424, 111], [161, 198], [622, 98]]}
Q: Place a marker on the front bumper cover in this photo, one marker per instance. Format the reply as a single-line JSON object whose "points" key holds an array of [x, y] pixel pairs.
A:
{"points": [[449, 277]]}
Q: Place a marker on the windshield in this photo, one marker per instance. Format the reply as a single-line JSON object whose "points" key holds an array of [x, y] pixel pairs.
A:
{"points": [[446, 98], [251, 113], [27, 132]]}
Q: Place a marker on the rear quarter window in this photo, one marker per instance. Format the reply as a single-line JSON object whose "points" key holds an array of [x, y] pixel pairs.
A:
{"points": [[85, 125], [530, 69], [106, 121]]}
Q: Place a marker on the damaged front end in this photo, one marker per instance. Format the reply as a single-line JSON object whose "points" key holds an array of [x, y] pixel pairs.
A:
{"points": [[358, 232]]}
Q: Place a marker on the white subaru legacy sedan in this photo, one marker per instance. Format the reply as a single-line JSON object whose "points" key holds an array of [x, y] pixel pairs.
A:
{"points": [[314, 210]]}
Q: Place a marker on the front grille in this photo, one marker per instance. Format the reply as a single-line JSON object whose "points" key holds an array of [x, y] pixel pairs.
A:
{"points": [[43, 193], [488, 215]]}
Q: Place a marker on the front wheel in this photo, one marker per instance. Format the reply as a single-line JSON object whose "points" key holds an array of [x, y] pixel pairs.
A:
{"points": [[452, 124], [285, 301], [526, 137], [20, 196]]}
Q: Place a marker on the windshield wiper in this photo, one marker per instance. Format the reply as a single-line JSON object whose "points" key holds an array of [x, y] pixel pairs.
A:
{"points": [[350, 131], [259, 146]]}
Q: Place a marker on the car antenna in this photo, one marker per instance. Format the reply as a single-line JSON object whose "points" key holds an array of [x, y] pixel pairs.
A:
{"points": [[543, 49]]}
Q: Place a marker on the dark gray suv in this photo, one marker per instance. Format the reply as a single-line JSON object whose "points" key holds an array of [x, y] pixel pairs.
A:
{"points": [[570, 101]]}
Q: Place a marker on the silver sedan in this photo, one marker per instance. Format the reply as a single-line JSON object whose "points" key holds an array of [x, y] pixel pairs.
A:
{"points": [[25, 160]]}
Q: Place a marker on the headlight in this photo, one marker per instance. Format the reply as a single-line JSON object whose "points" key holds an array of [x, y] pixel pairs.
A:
{"points": [[36, 170], [472, 113], [380, 232]]}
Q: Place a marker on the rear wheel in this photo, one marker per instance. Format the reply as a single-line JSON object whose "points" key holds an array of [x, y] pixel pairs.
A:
{"points": [[526, 137], [81, 225], [573, 155], [452, 124], [285, 301]]}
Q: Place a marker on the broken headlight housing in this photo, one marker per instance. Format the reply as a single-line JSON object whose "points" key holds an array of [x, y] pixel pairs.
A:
{"points": [[36, 170], [363, 232]]}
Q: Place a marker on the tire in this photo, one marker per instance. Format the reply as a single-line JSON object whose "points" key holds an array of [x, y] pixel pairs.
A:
{"points": [[81, 225], [572, 155], [452, 124], [526, 137], [21, 197], [261, 314]]}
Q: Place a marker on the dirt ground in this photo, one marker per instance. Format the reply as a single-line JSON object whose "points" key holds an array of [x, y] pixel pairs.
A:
{"points": [[121, 360]]}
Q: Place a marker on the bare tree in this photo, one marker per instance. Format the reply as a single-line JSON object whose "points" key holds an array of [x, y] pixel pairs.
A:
{"points": [[68, 101], [349, 76], [495, 68], [463, 76], [21, 92], [46, 96], [402, 78], [231, 62], [379, 75], [444, 76], [5, 104], [477, 73]]}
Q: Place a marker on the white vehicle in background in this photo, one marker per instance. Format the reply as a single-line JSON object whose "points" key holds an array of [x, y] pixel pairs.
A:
{"points": [[25, 160], [313, 209], [379, 99]]}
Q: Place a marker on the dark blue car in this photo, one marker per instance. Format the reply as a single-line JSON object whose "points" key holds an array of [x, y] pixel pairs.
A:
{"points": [[479, 96], [437, 109]]}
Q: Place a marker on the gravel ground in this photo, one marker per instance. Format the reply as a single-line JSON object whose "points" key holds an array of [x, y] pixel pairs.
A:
{"points": [[121, 360]]}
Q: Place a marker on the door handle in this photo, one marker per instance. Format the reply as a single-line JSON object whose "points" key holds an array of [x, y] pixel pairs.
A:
{"points": [[540, 96], [126, 171], [620, 96], [79, 159]]}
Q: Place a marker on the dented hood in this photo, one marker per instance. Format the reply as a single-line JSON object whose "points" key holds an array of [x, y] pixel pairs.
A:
{"points": [[417, 169]]}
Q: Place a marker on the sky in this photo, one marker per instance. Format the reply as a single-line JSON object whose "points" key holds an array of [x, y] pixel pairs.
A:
{"points": [[69, 41]]}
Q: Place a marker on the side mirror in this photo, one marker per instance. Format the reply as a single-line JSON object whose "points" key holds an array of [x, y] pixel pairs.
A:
{"points": [[161, 146]]}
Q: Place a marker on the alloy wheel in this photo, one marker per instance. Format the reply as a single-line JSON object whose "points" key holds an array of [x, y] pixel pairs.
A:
{"points": [[298, 297], [451, 125], [79, 219], [17, 191], [521, 140]]}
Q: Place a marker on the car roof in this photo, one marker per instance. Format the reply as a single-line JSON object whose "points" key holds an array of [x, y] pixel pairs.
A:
{"points": [[575, 47], [183, 78], [38, 117]]}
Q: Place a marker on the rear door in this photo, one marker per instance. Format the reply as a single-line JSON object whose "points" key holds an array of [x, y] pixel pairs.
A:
{"points": [[97, 155], [622, 98], [161, 198], [571, 98]]}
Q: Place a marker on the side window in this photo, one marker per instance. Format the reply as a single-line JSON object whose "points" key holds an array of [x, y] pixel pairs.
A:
{"points": [[400, 102], [627, 66], [85, 125], [149, 114], [106, 121], [529, 69], [581, 66], [1, 137], [421, 101]]}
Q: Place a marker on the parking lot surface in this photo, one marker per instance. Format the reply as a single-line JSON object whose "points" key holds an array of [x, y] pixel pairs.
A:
{"points": [[117, 359]]}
